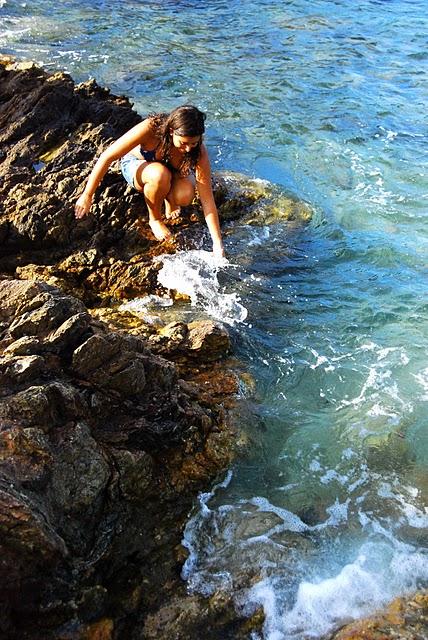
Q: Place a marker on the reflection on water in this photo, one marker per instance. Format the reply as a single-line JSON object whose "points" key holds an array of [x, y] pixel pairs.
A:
{"points": [[326, 518]]}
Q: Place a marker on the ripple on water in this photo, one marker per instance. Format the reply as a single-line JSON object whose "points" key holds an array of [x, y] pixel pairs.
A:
{"points": [[325, 520]]}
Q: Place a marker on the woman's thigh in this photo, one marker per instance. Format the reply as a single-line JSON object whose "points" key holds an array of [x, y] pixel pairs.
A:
{"points": [[154, 173]]}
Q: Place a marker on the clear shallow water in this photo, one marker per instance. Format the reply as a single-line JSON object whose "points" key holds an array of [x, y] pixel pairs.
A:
{"points": [[327, 517]]}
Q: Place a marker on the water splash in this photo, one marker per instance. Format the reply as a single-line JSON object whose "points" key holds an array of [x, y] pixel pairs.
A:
{"points": [[375, 577], [194, 274], [144, 307]]}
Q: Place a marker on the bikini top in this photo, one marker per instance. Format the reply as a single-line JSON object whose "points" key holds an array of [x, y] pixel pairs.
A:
{"points": [[149, 156]]}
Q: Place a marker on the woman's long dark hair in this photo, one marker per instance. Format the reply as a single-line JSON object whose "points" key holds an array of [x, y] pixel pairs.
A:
{"points": [[186, 120]]}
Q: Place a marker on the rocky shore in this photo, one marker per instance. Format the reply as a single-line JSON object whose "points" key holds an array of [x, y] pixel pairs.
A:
{"points": [[109, 426]]}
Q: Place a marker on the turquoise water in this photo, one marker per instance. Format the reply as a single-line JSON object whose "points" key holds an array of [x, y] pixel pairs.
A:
{"points": [[326, 517]]}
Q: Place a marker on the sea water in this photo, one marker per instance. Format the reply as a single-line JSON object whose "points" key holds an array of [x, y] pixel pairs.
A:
{"points": [[325, 519]]}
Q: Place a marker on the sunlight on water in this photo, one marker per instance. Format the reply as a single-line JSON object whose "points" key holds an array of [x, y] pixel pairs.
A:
{"points": [[326, 517]]}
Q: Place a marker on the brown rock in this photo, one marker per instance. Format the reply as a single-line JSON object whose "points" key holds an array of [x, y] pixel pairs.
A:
{"points": [[101, 630], [18, 369], [206, 341], [404, 619], [101, 448], [110, 362]]}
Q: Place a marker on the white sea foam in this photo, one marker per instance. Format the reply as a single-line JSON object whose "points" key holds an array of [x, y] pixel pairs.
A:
{"points": [[139, 305], [376, 576], [422, 379], [312, 597], [194, 273], [192, 541]]}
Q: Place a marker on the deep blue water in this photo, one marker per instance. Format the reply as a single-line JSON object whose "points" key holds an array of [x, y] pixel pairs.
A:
{"points": [[326, 517]]}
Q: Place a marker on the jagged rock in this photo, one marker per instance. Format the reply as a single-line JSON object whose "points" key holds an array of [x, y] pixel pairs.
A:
{"points": [[23, 346], [102, 446], [207, 340], [109, 363], [21, 368], [404, 619], [97, 435]]}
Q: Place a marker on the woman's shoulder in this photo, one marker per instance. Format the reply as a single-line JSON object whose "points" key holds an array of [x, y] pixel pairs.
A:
{"points": [[148, 130]]}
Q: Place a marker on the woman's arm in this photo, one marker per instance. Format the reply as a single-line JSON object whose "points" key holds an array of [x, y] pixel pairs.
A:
{"points": [[204, 187], [133, 137]]}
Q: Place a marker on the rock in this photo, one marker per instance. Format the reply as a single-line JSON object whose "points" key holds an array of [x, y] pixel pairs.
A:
{"points": [[15, 293], [207, 340], [107, 361], [48, 312], [69, 332], [45, 406], [23, 346], [102, 445], [25, 455], [79, 477], [101, 450], [101, 630], [135, 470], [404, 619], [195, 617], [21, 368], [202, 340]]}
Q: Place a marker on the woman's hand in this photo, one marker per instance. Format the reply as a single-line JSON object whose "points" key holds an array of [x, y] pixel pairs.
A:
{"points": [[83, 205], [218, 250]]}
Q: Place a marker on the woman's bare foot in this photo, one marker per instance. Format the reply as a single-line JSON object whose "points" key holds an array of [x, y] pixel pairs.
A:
{"points": [[160, 230], [172, 212]]}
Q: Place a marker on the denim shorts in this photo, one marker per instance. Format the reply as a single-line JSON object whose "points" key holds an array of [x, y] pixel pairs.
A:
{"points": [[129, 164]]}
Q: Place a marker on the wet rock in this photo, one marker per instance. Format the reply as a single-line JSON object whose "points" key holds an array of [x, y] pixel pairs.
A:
{"points": [[201, 340], [194, 617], [258, 202], [207, 340], [403, 619], [101, 449]]}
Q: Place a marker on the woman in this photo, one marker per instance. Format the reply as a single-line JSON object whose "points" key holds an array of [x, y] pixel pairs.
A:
{"points": [[158, 158]]}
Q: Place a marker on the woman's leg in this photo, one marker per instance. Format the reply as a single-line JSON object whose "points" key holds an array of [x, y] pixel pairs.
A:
{"points": [[181, 194], [154, 180]]}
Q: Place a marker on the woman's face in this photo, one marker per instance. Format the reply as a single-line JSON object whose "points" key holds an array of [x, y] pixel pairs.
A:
{"points": [[185, 143]]}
